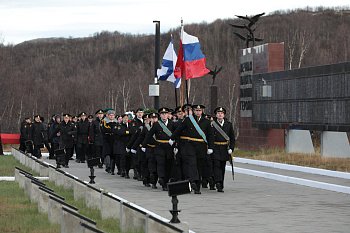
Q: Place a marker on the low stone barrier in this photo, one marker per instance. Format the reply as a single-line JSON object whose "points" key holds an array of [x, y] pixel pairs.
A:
{"points": [[130, 216], [55, 209], [43, 199], [71, 221], [90, 229], [110, 206], [93, 197]]}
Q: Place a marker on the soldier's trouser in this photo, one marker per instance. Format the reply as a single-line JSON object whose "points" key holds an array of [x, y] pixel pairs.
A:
{"points": [[69, 154], [81, 151], [22, 145], [114, 160], [125, 162], [151, 165], [36, 151], [193, 154], [98, 153], [90, 151], [219, 171]]}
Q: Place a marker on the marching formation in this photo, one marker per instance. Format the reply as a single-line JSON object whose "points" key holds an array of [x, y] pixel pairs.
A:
{"points": [[162, 147]]}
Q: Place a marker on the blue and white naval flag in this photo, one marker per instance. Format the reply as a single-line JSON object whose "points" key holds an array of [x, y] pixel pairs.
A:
{"points": [[168, 66]]}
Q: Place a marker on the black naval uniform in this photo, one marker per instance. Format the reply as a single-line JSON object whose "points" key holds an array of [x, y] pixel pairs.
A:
{"points": [[67, 132], [97, 139], [82, 140], [220, 155], [55, 140], [108, 129], [26, 137], [194, 149], [136, 158], [123, 133], [149, 167], [38, 132], [163, 152]]}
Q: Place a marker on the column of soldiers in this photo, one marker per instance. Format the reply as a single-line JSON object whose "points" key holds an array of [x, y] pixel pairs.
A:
{"points": [[162, 147]]}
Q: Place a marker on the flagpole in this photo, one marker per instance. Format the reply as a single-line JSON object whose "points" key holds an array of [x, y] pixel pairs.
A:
{"points": [[171, 35], [187, 93], [176, 105]]}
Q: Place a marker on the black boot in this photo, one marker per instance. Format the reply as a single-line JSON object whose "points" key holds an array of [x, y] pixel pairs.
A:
{"points": [[136, 175], [195, 188], [211, 183], [204, 183], [219, 187]]}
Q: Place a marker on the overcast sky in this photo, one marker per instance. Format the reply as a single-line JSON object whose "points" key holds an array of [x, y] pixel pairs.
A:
{"points": [[22, 20]]}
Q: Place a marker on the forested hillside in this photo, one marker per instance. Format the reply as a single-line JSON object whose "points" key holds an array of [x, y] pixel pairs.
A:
{"points": [[111, 69]]}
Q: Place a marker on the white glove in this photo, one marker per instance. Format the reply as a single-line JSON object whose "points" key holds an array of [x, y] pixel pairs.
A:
{"points": [[176, 151], [133, 151], [171, 142], [229, 151], [127, 150], [210, 151], [143, 149]]}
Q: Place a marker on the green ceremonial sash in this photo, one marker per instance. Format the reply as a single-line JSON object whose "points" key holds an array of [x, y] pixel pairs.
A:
{"points": [[198, 128], [220, 130], [165, 129]]}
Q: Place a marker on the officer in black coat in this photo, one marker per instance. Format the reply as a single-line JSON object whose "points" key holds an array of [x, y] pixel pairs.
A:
{"points": [[223, 148], [146, 158], [108, 129], [123, 135], [97, 136], [136, 123], [162, 130], [38, 132], [194, 149], [82, 138], [66, 130], [46, 136], [54, 138], [25, 134]]}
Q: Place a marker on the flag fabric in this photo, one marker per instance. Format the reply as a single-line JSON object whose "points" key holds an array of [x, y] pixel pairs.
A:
{"points": [[166, 72], [191, 60]]}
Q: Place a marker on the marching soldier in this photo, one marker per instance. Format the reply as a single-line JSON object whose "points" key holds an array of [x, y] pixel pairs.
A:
{"points": [[66, 131], [97, 136], [224, 144], [54, 138], [26, 131], [196, 139], [38, 132], [108, 128], [82, 138], [163, 152], [149, 151], [90, 152], [136, 123], [123, 136], [46, 136]]}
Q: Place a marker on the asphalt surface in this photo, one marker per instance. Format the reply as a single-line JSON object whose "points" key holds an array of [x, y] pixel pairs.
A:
{"points": [[249, 204]]}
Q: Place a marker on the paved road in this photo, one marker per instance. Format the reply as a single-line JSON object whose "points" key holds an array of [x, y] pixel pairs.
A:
{"points": [[250, 204]]}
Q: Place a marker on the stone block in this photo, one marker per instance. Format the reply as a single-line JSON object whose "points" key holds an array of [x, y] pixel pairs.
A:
{"points": [[110, 207], [71, 221], [55, 209]]}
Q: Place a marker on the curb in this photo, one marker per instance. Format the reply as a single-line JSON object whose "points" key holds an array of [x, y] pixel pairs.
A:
{"points": [[317, 171], [293, 180]]}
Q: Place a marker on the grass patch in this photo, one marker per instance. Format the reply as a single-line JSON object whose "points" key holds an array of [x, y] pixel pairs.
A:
{"points": [[18, 214], [107, 225], [312, 160], [8, 164]]}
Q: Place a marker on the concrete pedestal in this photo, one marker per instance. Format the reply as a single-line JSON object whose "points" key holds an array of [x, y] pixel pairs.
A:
{"points": [[335, 144], [299, 141]]}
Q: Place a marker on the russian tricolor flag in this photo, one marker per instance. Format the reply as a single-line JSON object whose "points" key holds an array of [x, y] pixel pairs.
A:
{"points": [[166, 72], [191, 60]]}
